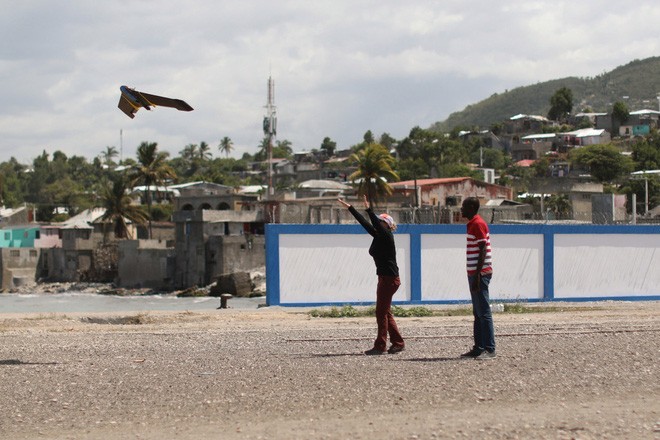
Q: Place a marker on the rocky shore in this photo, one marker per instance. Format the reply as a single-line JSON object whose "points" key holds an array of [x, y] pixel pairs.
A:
{"points": [[257, 281]]}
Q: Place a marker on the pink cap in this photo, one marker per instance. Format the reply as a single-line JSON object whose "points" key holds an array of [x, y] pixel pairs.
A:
{"points": [[388, 219]]}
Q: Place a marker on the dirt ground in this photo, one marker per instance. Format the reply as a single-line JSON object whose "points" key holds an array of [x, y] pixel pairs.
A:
{"points": [[587, 372]]}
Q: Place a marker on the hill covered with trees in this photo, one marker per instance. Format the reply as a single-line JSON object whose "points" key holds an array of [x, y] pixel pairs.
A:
{"points": [[636, 83]]}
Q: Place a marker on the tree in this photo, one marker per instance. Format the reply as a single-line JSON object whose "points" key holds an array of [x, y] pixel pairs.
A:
{"points": [[620, 112], [387, 141], [119, 207], [494, 158], [13, 181], [189, 152], [64, 193], [328, 146], [561, 104], [108, 154], [282, 149], [204, 152], [374, 170], [646, 154], [368, 138], [560, 205], [152, 170], [604, 161], [226, 145]]}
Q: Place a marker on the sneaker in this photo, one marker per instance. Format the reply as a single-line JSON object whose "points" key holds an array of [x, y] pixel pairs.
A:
{"points": [[486, 355], [475, 352], [394, 349], [374, 351]]}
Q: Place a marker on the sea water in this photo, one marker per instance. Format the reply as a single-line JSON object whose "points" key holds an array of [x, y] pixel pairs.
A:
{"points": [[72, 302]]}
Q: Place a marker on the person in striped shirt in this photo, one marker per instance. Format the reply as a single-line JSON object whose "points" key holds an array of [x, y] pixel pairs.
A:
{"points": [[480, 272]]}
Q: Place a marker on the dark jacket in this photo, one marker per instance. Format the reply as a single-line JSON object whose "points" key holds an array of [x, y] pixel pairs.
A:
{"points": [[382, 247]]}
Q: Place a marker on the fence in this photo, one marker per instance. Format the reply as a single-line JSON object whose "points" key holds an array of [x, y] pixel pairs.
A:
{"points": [[309, 265], [331, 213]]}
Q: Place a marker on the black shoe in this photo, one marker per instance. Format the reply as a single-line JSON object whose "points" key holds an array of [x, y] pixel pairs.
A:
{"points": [[486, 355], [374, 351], [475, 352], [394, 349]]}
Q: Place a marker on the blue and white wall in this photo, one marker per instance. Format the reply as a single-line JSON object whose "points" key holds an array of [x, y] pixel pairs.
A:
{"points": [[310, 265]]}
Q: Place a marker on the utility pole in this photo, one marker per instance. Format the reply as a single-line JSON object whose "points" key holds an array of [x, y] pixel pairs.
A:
{"points": [[270, 131]]}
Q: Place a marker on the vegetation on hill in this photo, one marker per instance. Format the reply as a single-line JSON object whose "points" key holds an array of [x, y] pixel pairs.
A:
{"points": [[637, 83]]}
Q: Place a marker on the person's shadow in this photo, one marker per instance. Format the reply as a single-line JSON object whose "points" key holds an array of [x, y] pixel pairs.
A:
{"points": [[20, 362], [432, 359], [329, 355], [393, 357]]}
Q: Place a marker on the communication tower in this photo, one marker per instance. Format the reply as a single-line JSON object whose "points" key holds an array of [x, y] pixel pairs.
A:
{"points": [[270, 131]]}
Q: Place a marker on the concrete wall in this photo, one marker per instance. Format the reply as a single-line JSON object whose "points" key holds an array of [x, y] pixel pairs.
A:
{"points": [[145, 264], [18, 267], [229, 254], [329, 264], [65, 265], [200, 253]]}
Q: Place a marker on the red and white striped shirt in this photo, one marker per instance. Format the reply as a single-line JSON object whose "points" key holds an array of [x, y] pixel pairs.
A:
{"points": [[477, 232]]}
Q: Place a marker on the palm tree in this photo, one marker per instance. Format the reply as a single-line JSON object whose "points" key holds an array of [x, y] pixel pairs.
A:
{"points": [[189, 152], [226, 145], [152, 170], [108, 154], [374, 170], [119, 208], [204, 152]]}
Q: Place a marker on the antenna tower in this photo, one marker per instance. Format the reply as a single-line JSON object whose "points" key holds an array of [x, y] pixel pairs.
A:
{"points": [[270, 131]]}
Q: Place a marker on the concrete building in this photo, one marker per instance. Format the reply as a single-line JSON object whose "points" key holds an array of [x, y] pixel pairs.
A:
{"points": [[145, 264], [15, 216], [17, 267], [533, 146], [211, 243], [450, 191], [211, 196]]}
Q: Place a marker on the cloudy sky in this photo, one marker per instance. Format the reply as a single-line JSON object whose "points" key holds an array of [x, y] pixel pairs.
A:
{"points": [[340, 67]]}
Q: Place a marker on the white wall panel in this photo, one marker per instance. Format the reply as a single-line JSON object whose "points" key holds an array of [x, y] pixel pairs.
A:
{"points": [[336, 268], [606, 265], [444, 275], [517, 266]]}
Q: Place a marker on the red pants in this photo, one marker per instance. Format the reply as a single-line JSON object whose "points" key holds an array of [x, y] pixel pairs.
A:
{"points": [[387, 286]]}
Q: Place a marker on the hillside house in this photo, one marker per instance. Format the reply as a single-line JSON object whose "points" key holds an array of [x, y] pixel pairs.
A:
{"points": [[521, 123], [532, 146], [15, 216], [450, 191], [196, 196], [640, 123], [582, 138]]}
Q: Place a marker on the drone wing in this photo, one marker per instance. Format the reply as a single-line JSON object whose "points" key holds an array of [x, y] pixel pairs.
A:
{"points": [[127, 107], [166, 102]]}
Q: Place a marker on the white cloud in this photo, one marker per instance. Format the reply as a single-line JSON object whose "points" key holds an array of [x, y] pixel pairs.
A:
{"points": [[340, 68]]}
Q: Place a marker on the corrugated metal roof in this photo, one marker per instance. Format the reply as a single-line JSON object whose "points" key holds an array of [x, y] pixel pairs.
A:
{"points": [[323, 184], [84, 219], [422, 182], [645, 112], [539, 136], [585, 132]]}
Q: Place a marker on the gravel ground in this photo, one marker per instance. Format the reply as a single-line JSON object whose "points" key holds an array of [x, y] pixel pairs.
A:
{"points": [[589, 372]]}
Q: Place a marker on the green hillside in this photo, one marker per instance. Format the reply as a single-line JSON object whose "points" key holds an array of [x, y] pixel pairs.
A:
{"points": [[639, 80]]}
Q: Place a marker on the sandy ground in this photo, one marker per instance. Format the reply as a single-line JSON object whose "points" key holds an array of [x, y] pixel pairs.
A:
{"points": [[590, 372]]}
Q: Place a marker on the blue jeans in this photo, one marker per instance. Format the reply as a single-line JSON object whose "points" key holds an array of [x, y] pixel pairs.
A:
{"points": [[484, 333]]}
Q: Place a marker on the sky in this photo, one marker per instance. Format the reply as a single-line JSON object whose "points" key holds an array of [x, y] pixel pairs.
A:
{"points": [[339, 67]]}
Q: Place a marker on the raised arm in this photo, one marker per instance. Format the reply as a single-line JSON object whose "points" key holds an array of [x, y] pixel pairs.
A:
{"points": [[365, 224]]}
